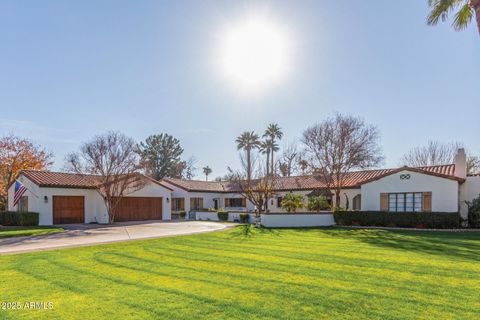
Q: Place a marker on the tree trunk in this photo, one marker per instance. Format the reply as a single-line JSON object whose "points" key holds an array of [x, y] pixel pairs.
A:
{"points": [[268, 162], [337, 199], [475, 4], [272, 164], [249, 167]]}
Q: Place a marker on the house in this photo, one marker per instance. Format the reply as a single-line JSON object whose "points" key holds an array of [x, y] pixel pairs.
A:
{"points": [[70, 198], [440, 188], [62, 198]]}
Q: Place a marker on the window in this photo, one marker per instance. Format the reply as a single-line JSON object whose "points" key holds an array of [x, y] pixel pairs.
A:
{"points": [[178, 204], [357, 202], [279, 202], [22, 205], [234, 202], [196, 203], [405, 202]]}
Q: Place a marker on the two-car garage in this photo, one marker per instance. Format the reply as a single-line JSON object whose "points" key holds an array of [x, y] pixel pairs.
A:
{"points": [[71, 209], [65, 198]]}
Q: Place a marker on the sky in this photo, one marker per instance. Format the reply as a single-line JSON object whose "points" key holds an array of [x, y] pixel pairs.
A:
{"points": [[70, 70]]}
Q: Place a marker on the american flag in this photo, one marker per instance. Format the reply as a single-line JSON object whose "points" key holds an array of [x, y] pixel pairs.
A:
{"points": [[19, 191]]}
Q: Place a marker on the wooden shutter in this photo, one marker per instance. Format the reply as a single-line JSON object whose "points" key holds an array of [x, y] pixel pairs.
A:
{"points": [[244, 202], [201, 203], [192, 203], [227, 204], [427, 202], [182, 204], [383, 201], [173, 204]]}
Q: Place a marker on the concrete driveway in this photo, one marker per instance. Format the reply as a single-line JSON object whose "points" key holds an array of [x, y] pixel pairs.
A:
{"points": [[84, 234]]}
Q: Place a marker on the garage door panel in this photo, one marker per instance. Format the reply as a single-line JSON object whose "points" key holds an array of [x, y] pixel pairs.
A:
{"points": [[68, 209], [139, 208]]}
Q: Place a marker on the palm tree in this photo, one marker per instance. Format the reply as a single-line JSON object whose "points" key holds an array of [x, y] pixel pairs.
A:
{"points": [[248, 141], [463, 16], [303, 165], [206, 171], [265, 149], [273, 132]]}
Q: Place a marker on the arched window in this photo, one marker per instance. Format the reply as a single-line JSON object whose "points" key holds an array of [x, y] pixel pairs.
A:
{"points": [[357, 202]]}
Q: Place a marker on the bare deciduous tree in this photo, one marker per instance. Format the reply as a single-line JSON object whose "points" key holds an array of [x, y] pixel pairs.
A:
{"points": [[111, 161], [438, 153], [434, 153], [339, 145], [257, 190], [288, 164], [189, 168]]}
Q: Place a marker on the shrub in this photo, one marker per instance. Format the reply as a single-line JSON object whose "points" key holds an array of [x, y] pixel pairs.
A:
{"points": [[10, 218], [317, 203], [474, 213], [222, 215], [438, 220], [244, 217], [178, 215], [291, 202]]}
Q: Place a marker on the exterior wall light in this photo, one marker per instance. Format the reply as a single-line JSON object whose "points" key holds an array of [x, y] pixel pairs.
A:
{"points": [[45, 199], [168, 199]]}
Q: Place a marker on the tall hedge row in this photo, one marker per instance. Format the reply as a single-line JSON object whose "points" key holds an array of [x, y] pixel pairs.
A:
{"points": [[436, 220], [9, 218]]}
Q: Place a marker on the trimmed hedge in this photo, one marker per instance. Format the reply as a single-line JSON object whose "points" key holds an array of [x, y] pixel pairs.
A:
{"points": [[10, 218], [222, 215], [434, 220], [176, 215], [244, 217]]}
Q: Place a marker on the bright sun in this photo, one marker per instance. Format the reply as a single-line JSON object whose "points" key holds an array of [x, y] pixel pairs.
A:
{"points": [[254, 54]]}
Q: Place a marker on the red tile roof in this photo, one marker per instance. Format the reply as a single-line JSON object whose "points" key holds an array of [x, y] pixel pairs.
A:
{"points": [[61, 179], [201, 186], [353, 179], [69, 180]]}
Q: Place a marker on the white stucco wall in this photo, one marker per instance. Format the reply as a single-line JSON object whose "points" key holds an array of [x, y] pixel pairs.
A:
{"points": [[95, 210], [213, 216], [208, 198], [469, 190], [445, 192], [297, 220]]}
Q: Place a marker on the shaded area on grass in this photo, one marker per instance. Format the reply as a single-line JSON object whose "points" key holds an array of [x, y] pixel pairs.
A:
{"points": [[11, 232], [323, 273]]}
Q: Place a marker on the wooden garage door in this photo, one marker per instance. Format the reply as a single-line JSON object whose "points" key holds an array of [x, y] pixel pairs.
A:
{"points": [[68, 209], [139, 208]]}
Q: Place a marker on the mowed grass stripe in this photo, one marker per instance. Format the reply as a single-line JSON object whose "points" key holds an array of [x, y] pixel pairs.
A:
{"points": [[330, 278], [469, 270], [302, 289], [272, 274], [322, 265], [451, 252], [130, 280]]}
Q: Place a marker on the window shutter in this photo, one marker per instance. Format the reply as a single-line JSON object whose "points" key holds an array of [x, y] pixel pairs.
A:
{"points": [[226, 203], [383, 201], [201, 203], [244, 202], [192, 203], [182, 204], [427, 202], [173, 204]]}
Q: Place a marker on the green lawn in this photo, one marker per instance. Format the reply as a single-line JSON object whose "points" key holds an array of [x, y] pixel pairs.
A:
{"points": [[276, 274], [10, 232]]}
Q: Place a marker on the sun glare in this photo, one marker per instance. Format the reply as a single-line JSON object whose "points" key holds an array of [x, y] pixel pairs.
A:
{"points": [[254, 54]]}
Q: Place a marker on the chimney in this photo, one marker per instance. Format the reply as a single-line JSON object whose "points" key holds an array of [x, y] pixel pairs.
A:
{"points": [[461, 163]]}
